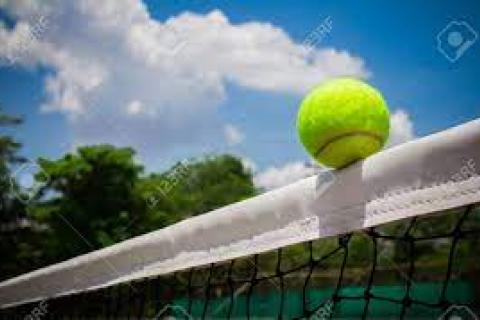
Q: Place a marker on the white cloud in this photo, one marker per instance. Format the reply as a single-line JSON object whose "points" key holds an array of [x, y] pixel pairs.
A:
{"points": [[401, 128], [106, 55], [134, 108], [275, 177], [233, 135]]}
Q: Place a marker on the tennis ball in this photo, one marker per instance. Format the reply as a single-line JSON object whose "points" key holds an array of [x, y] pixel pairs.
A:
{"points": [[343, 120]]}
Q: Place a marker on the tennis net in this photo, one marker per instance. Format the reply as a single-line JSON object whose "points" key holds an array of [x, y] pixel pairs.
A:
{"points": [[393, 237]]}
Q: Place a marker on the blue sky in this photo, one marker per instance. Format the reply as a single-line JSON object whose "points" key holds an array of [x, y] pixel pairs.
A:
{"points": [[93, 63]]}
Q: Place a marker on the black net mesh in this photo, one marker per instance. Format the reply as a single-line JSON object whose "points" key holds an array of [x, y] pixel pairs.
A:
{"points": [[418, 268]]}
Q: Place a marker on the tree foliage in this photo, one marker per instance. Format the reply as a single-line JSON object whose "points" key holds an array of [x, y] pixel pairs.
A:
{"points": [[195, 187], [17, 240], [88, 197], [99, 195]]}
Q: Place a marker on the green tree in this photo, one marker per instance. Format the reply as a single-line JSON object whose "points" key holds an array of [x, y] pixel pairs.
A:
{"points": [[88, 201], [195, 187], [8, 156], [18, 239], [96, 197]]}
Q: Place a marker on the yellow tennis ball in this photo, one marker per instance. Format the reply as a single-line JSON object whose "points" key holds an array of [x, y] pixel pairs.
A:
{"points": [[342, 121]]}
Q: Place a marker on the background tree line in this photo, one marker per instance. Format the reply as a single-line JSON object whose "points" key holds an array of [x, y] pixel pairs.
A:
{"points": [[99, 195]]}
